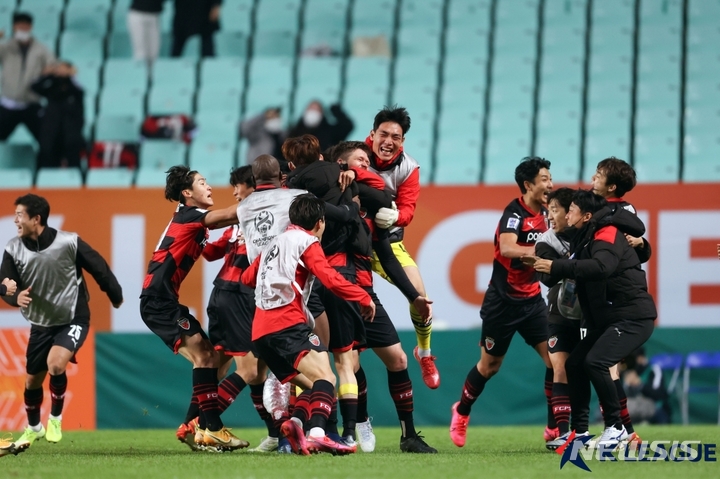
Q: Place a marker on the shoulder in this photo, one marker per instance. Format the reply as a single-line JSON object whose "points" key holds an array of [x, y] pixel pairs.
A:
{"points": [[189, 214], [606, 233], [410, 162]]}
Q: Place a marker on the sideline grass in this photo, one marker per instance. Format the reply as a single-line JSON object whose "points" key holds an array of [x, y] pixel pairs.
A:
{"points": [[491, 452]]}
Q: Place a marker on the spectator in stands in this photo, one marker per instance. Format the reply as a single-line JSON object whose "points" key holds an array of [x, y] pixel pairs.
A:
{"points": [[648, 398], [61, 138], [143, 23], [196, 17], [315, 122], [265, 134], [23, 60]]}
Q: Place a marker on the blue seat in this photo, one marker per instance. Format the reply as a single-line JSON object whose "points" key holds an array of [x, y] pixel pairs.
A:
{"points": [[269, 14], [458, 161], [702, 150], [214, 160], [413, 72], [59, 178], [117, 128], [150, 178], [219, 99], [119, 45], [324, 24], [505, 148], [231, 44], [35, 5], [88, 74], [373, 17], [558, 140], [321, 72], [168, 100], [118, 16], [236, 15], [261, 97], [420, 148], [468, 14], [46, 18], [125, 72], [374, 71], [89, 17], [109, 178], [275, 43], [22, 136], [7, 7], [122, 100], [466, 42], [16, 178], [216, 126], [671, 361], [277, 71], [77, 46], [419, 42], [14, 156], [421, 13], [698, 360], [222, 72], [174, 72], [162, 154]]}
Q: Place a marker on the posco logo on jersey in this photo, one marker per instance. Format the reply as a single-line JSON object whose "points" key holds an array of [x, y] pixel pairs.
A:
{"points": [[580, 449]]}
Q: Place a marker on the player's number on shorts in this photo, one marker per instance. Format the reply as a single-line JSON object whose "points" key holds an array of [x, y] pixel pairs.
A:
{"points": [[75, 332]]}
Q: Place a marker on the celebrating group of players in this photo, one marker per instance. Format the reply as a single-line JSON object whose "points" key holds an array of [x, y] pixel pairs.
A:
{"points": [[299, 251]]}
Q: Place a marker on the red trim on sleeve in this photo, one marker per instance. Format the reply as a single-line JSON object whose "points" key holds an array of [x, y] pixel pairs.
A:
{"points": [[407, 197], [607, 234], [314, 259], [369, 178], [215, 250]]}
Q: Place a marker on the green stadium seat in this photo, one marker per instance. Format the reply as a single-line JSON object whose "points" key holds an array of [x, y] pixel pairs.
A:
{"points": [[122, 100], [22, 136], [119, 45], [420, 148], [466, 42], [373, 17], [166, 19], [191, 49], [324, 24], [7, 8], [465, 70], [243, 147], [231, 44], [465, 15], [319, 71], [150, 178], [328, 41], [125, 72], [558, 140], [702, 157], [421, 14], [261, 97], [35, 5], [46, 19], [103, 3], [413, 72], [162, 154], [656, 156], [118, 16], [17, 156], [602, 144], [236, 16], [419, 42], [174, 72], [219, 100], [214, 126], [75, 46], [703, 12], [168, 100], [88, 17], [59, 178], [117, 128], [278, 71], [274, 43], [88, 74], [505, 149], [269, 14], [213, 160], [109, 178], [222, 72], [372, 71], [16, 178], [612, 13], [458, 161]]}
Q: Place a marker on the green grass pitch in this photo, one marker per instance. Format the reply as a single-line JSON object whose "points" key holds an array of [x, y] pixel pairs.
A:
{"points": [[490, 452]]}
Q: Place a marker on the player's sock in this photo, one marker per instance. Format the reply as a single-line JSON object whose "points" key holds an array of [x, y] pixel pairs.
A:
{"points": [[229, 389], [256, 394], [332, 423], [205, 387], [624, 413], [33, 401], [302, 409], [193, 410], [362, 412], [348, 400], [422, 332], [561, 406], [402, 395], [473, 387], [548, 398], [321, 400], [58, 386]]}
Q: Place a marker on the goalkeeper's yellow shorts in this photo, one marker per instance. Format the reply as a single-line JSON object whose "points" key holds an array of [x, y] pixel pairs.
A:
{"points": [[400, 253]]}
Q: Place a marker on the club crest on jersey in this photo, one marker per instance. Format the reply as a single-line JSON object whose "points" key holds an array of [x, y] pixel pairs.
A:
{"points": [[513, 223], [314, 340], [264, 221], [489, 343], [184, 323], [272, 254], [552, 341]]}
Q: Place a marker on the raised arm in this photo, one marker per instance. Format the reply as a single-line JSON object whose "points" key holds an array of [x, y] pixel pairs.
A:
{"points": [[92, 262]]}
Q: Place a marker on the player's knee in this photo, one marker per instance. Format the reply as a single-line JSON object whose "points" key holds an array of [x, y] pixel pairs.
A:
{"points": [[34, 381], [397, 362], [56, 368]]}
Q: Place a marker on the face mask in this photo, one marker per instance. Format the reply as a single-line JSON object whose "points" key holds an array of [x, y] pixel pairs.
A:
{"points": [[274, 125], [22, 35], [312, 118]]}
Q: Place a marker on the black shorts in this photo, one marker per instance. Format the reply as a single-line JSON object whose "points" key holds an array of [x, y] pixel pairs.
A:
{"points": [[381, 332], [503, 318], [563, 338], [169, 320], [230, 315], [42, 339], [347, 328], [314, 303], [282, 351]]}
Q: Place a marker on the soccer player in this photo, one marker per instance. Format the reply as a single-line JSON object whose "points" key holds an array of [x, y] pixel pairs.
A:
{"points": [[401, 174], [513, 302], [47, 266], [180, 246], [283, 277], [617, 308], [381, 335], [563, 311]]}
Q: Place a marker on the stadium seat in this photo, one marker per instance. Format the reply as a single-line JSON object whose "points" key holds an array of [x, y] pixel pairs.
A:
{"points": [[162, 154], [708, 360], [274, 43], [222, 72], [421, 13], [458, 160], [505, 149], [317, 79], [468, 15], [118, 17], [46, 19], [87, 16], [373, 71], [558, 140], [413, 72], [168, 100], [88, 74], [16, 178], [324, 25], [701, 151], [362, 102], [122, 100], [119, 45], [59, 178], [236, 16], [150, 178], [373, 18], [466, 42], [242, 158], [269, 14], [213, 160], [22, 136], [215, 126], [174, 72], [35, 5], [109, 178], [219, 100], [277, 71], [17, 156], [7, 7], [231, 44], [125, 72], [419, 42], [465, 70], [117, 128], [76, 46]]}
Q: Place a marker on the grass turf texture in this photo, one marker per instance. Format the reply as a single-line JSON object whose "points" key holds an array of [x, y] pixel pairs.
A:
{"points": [[490, 452]]}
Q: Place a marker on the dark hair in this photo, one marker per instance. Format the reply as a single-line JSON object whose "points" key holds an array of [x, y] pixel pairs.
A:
{"points": [[266, 168], [528, 169], [22, 17], [342, 150], [588, 202], [306, 210], [395, 114], [618, 173], [242, 176], [301, 150], [35, 206], [563, 196], [179, 178]]}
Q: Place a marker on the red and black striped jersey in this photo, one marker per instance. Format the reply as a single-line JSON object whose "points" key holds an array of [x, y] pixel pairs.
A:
{"points": [[180, 245], [510, 277], [231, 247]]}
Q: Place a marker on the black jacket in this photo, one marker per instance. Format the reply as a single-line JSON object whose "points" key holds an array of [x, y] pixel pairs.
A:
{"points": [[328, 134], [611, 285], [87, 259], [192, 17], [545, 251]]}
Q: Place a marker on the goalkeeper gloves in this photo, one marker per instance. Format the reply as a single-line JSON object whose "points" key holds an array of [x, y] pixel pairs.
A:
{"points": [[387, 217]]}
